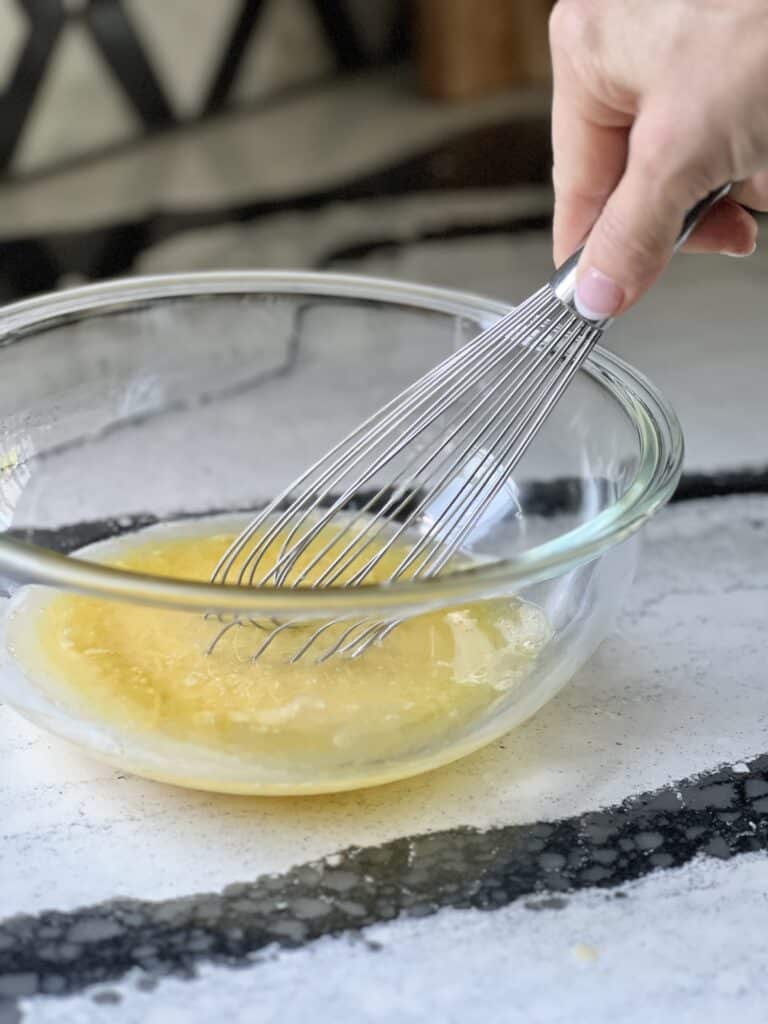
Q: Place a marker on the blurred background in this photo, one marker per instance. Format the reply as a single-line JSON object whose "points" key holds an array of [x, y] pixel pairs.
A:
{"points": [[405, 138], [400, 137]]}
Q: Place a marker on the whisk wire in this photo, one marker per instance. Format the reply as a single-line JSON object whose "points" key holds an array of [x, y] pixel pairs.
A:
{"points": [[436, 407], [489, 399], [514, 451], [498, 464], [389, 414], [471, 488], [442, 552], [436, 459]]}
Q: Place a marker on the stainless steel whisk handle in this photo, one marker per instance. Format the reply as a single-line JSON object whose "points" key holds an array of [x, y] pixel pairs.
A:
{"points": [[563, 281]]}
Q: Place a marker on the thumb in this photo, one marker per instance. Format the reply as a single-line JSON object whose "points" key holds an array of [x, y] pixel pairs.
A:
{"points": [[634, 237]]}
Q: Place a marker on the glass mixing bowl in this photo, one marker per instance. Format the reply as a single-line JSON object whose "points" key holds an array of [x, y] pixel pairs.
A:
{"points": [[151, 399]]}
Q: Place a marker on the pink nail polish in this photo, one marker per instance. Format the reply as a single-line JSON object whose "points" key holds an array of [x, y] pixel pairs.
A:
{"points": [[739, 255], [597, 296]]}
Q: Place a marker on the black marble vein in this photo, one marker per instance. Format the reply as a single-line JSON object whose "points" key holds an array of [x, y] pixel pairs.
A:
{"points": [[723, 813], [720, 485], [544, 498]]}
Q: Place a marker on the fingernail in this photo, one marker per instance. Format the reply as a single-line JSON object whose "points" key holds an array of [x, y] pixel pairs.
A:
{"points": [[597, 296], [739, 255]]}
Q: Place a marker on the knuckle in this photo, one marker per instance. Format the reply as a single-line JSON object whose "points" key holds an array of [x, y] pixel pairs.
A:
{"points": [[661, 157], [568, 24], [655, 147], [574, 192], [756, 191], [632, 244], [613, 229]]}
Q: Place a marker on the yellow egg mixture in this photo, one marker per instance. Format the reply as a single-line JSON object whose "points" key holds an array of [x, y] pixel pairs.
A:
{"points": [[145, 670]]}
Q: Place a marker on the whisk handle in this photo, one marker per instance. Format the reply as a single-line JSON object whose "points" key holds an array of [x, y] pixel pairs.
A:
{"points": [[696, 212], [563, 281]]}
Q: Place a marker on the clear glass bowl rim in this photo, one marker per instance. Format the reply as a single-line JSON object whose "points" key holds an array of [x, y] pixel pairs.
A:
{"points": [[659, 434]]}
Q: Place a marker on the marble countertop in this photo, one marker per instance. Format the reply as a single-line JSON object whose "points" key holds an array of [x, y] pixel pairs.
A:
{"points": [[606, 861], [622, 830]]}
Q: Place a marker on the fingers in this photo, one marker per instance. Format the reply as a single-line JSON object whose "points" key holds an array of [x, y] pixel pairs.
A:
{"points": [[644, 127], [754, 192], [634, 236], [589, 142], [727, 228], [590, 161]]}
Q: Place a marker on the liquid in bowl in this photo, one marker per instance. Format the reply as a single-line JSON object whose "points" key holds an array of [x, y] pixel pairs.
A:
{"points": [[143, 673]]}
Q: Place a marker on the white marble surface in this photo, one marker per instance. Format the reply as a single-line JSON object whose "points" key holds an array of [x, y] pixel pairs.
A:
{"points": [[679, 688], [685, 946]]}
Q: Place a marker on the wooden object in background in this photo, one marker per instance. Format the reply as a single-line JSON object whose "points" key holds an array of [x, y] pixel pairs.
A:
{"points": [[474, 47]]}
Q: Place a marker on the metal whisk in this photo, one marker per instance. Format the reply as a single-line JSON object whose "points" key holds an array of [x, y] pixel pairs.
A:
{"points": [[431, 464]]}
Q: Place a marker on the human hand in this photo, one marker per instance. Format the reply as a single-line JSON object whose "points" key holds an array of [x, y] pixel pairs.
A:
{"points": [[656, 104]]}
